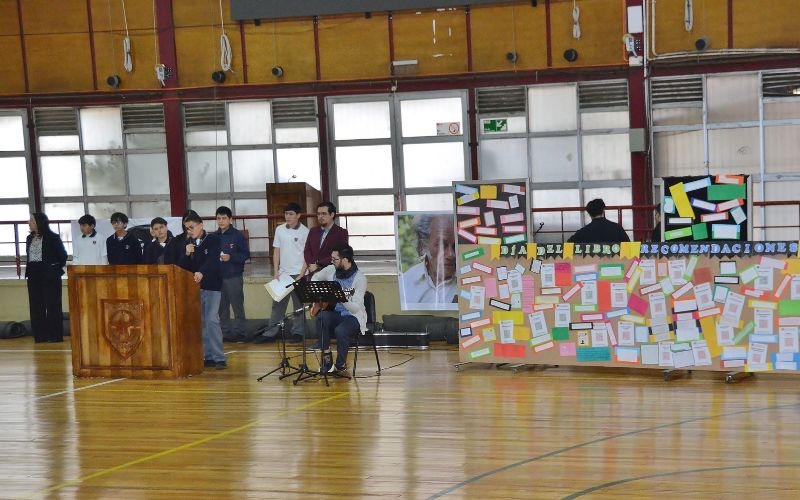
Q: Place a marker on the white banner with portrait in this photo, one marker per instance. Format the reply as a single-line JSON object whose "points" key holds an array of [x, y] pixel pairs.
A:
{"points": [[426, 261]]}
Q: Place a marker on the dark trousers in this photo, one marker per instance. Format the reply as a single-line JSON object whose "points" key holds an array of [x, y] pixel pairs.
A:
{"points": [[232, 297], [44, 298], [340, 326]]}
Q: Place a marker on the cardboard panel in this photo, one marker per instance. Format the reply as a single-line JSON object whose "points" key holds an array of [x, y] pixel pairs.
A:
{"points": [[339, 35], [14, 80], [109, 60], [189, 14], [108, 16], [9, 20], [40, 17], [288, 44], [436, 39], [198, 54], [756, 26], [497, 31], [46, 76], [710, 21], [601, 23]]}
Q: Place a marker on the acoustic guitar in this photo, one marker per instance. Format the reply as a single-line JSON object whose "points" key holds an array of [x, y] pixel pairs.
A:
{"points": [[316, 307]]}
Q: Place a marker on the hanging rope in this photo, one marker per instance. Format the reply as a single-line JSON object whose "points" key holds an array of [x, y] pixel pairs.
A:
{"points": [[688, 16], [127, 59], [224, 44], [576, 20], [160, 69]]}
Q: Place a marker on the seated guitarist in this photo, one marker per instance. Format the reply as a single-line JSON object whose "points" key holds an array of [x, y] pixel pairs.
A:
{"points": [[346, 318]]}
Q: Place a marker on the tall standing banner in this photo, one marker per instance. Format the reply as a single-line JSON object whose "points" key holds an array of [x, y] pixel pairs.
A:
{"points": [[426, 261]]}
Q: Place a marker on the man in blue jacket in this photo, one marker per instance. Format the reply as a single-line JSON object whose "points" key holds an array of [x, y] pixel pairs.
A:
{"points": [[202, 258], [233, 255]]}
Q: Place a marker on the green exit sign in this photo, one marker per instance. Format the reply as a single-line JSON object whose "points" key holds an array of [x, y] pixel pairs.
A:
{"points": [[500, 125]]}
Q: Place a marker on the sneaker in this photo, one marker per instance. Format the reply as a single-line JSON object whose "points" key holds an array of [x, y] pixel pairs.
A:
{"points": [[341, 371], [263, 339], [326, 365], [209, 363], [221, 365], [316, 347]]}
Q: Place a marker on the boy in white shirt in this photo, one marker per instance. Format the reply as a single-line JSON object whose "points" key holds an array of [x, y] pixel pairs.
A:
{"points": [[90, 248], [288, 243]]}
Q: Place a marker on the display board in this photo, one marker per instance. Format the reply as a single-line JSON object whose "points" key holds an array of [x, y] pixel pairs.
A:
{"points": [[710, 306], [709, 207]]}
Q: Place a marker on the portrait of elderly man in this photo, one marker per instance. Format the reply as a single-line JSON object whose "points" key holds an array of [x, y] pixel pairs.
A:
{"points": [[430, 282]]}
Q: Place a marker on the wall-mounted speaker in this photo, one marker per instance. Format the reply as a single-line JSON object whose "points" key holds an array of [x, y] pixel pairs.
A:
{"points": [[571, 55], [218, 76]]}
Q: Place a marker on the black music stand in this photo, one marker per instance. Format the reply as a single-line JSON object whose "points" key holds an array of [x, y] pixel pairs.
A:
{"points": [[310, 292], [286, 368]]}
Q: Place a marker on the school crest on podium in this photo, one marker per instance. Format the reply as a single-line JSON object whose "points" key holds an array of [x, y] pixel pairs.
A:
{"points": [[122, 325]]}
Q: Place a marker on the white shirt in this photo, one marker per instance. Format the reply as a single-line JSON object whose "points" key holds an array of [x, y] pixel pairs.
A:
{"points": [[291, 242], [89, 250], [418, 291]]}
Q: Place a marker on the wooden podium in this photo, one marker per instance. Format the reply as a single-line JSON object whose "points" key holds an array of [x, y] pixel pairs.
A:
{"points": [[134, 321], [282, 193]]}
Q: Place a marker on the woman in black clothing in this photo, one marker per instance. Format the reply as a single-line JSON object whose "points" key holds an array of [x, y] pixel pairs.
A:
{"points": [[46, 260]]}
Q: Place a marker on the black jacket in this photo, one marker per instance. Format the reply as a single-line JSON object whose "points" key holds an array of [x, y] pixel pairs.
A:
{"points": [[600, 230], [54, 256]]}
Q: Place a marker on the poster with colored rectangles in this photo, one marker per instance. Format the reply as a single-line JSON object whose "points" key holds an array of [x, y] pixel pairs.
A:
{"points": [[492, 212], [710, 207], [719, 306]]}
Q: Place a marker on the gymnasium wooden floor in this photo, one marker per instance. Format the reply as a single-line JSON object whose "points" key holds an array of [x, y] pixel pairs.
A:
{"points": [[421, 430]]}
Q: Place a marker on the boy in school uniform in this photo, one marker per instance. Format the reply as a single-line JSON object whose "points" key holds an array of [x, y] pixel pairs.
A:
{"points": [[122, 246], [90, 248], [159, 250], [201, 257], [234, 254]]}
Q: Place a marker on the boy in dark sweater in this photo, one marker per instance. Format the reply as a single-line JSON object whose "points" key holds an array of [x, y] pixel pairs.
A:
{"points": [[234, 254], [201, 257], [123, 247]]}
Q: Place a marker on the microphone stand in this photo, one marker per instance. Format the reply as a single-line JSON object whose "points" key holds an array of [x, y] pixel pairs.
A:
{"points": [[286, 368], [533, 236], [310, 292]]}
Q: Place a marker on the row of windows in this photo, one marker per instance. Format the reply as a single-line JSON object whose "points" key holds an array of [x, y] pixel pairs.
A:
{"points": [[403, 151]]}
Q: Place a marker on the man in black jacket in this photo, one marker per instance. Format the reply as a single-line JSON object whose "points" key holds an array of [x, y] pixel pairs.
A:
{"points": [[600, 229]]}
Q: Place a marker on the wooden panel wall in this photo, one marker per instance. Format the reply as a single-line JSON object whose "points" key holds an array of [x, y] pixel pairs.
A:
{"points": [[436, 39], [58, 44], [497, 31], [338, 37], [13, 81], [710, 21], [771, 25], [108, 24], [288, 44]]}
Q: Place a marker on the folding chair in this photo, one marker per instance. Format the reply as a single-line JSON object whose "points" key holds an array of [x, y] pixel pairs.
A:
{"points": [[369, 305]]}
